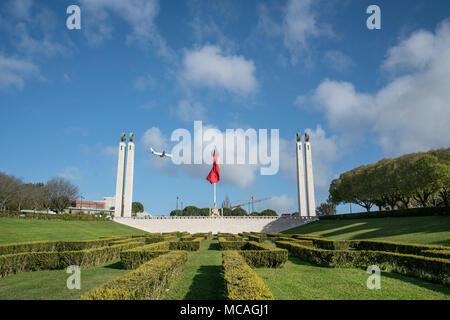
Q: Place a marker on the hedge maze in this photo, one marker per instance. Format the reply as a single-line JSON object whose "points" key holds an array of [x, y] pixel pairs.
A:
{"points": [[156, 260]]}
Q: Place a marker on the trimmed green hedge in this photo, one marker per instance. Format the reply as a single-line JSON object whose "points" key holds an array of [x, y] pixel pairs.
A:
{"points": [[41, 246], [193, 245], [231, 245], [133, 258], [444, 254], [412, 212], [48, 216], [148, 282], [375, 245], [242, 283], [33, 261], [431, 269], [255, 238]]}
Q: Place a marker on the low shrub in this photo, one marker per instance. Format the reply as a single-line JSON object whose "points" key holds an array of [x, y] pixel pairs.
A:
{"points": [[47, 216], [407, 248], [256, 238], [41, 246], [412, 212], [133, 258], [192, 245], [242, 283], [149, 281], [444, 254], [431, 269], [231, 245], [33, 261], [332, 244]]}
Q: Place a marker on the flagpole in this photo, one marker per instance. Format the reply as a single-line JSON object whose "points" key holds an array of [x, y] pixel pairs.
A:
{"points": [[214, 195]]}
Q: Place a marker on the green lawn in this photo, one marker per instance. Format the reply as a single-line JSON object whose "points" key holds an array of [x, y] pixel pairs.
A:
{"points": [[202, 277], [52, 285], [298, 280], [427, 230], [20, 230]]}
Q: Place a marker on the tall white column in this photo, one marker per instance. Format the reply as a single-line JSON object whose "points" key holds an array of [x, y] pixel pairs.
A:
{"points": [[120, 179], [301, 180], [310, 180], [128, 197]]}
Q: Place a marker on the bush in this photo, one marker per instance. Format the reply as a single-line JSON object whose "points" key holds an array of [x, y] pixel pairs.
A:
{"points": [[149, 281], [47, 216], [242, 283], [412, 212], [33, 261], [192, 245], [231, 245], [255, 238], [444, 254], [41, 246], [431, 269], [133, 258], [407, 248]]}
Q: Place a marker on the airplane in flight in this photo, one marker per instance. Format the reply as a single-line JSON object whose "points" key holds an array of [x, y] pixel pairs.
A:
{"points": [[161, 154]]}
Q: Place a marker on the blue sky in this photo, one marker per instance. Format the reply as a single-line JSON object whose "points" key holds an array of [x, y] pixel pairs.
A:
{"points": [[150, 67]]}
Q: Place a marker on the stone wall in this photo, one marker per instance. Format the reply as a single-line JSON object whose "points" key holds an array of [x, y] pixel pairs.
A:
{"points": [[214, 224]]}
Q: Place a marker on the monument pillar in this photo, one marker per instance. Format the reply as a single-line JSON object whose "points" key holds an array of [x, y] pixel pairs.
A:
{"points": [[128, 197], [309, 178], [301, 179], [118, 205]]}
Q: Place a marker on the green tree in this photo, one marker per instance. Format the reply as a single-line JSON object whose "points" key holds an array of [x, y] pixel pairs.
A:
{"points": [[327, 208], [239, 212], [191, 211], [176, 213], [137, 207], [268, 213]]}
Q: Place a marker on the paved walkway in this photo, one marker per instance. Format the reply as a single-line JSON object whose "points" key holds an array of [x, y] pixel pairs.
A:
{"points": [[202, 277]]}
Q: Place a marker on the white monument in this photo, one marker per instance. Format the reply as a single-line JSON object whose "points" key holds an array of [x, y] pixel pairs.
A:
{"points": [[301, 178], [128, 197], [305, 162], [123, 200], [309, 178]]}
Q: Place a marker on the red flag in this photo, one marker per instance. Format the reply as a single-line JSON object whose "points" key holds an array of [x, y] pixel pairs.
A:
{"points": [[214, 176]]}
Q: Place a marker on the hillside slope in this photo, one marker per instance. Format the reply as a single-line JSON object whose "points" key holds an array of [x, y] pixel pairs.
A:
{"points": [[20, 230], [427, 230]]}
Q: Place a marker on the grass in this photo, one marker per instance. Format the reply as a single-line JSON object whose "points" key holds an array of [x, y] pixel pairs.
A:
{"points": [[426, 230], [52, 285], [22, 230], [202, 277], [298, 280]]}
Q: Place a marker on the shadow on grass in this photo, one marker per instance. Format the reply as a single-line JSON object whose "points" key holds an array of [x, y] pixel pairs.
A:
{"points": [[116, 265], [414, 281], [208, 284], [214, 246], [417, 282], [378, 228]]}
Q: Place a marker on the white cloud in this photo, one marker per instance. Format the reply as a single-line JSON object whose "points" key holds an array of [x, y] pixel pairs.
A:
{"points": [[188, 111], [209, 67], [71, 173], [110, 151], [411, 113], [14, 72], [299, 25], [347, 111], [282, 204], [139, 14], [145, 82], [338, 60]]}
